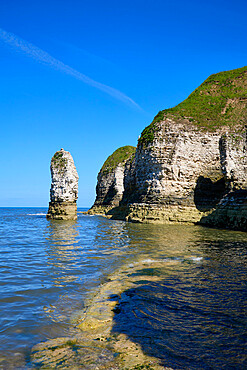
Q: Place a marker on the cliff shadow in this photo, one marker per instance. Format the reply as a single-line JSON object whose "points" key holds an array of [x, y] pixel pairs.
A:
{"points": [[118, 213], [183, 320], [230, 213], [207, 194], [110, 195]]}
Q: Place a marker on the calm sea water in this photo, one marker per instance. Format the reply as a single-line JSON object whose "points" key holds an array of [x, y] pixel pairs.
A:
{"points": [[192, 317]]}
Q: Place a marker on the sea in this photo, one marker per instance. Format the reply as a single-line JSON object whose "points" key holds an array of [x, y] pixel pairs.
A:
{"points": [[190, 315]]}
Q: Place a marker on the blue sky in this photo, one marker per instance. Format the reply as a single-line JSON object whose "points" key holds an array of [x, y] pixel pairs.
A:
{"points": [[88, 76]]}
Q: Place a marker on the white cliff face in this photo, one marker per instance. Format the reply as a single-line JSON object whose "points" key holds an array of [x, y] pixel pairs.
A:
{"points": [[181, 155], [185, 173], [234, 159], [169, 168], [64, 187], [110, 186], [119, 179]]}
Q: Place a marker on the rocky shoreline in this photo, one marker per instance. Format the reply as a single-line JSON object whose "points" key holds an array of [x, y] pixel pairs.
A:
{"points": [[93, 344]]}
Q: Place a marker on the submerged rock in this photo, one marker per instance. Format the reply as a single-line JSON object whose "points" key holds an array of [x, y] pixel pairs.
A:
{"points": [[94, 343], [64, 187]]}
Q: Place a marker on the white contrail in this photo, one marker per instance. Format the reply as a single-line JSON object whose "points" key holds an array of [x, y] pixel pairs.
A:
{"points": [[42, 56]]}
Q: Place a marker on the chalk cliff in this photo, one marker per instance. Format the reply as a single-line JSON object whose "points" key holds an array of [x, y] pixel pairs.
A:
{"points": [[190, 164], [64, 187], [185, 173], [110, 181]]}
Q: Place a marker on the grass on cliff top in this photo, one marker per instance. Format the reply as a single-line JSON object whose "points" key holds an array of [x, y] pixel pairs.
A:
{"points": [[119, 156], [58, 161], [221, 100]]}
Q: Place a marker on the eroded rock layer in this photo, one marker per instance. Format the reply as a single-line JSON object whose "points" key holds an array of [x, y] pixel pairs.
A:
{"points": [[64, 187]]}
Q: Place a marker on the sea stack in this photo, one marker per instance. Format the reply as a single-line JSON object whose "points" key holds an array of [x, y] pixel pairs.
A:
{"points": [[64, 187]]}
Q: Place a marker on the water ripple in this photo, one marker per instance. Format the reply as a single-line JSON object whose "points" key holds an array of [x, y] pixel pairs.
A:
{"points": [[191, 315]]}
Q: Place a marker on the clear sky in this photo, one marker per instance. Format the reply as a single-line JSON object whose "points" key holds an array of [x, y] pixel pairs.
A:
{"points": [[88, 76]]}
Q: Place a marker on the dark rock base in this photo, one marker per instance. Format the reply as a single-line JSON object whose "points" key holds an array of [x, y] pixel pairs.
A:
{"points": [[231, 213], [62, 211]]}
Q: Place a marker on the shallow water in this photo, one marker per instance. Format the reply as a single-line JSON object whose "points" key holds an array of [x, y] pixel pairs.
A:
{"points": [[192, 316]]}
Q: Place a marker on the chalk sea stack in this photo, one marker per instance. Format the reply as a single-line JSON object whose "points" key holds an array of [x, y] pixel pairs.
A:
{"points": [[190, 164], [64, 187]]}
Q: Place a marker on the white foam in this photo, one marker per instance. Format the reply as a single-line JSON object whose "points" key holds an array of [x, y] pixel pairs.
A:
{"points": [[196, 259], [36, 214], [149, 260], [174, 259]]}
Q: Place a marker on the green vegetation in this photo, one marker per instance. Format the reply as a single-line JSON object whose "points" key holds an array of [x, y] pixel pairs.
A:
{"points": [[119, 156], [219, 101], [59, 161], [147, 135]]}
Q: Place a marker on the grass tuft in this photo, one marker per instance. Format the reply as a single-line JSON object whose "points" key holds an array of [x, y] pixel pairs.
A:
{"points": [[59, 161], [119, 156]]}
